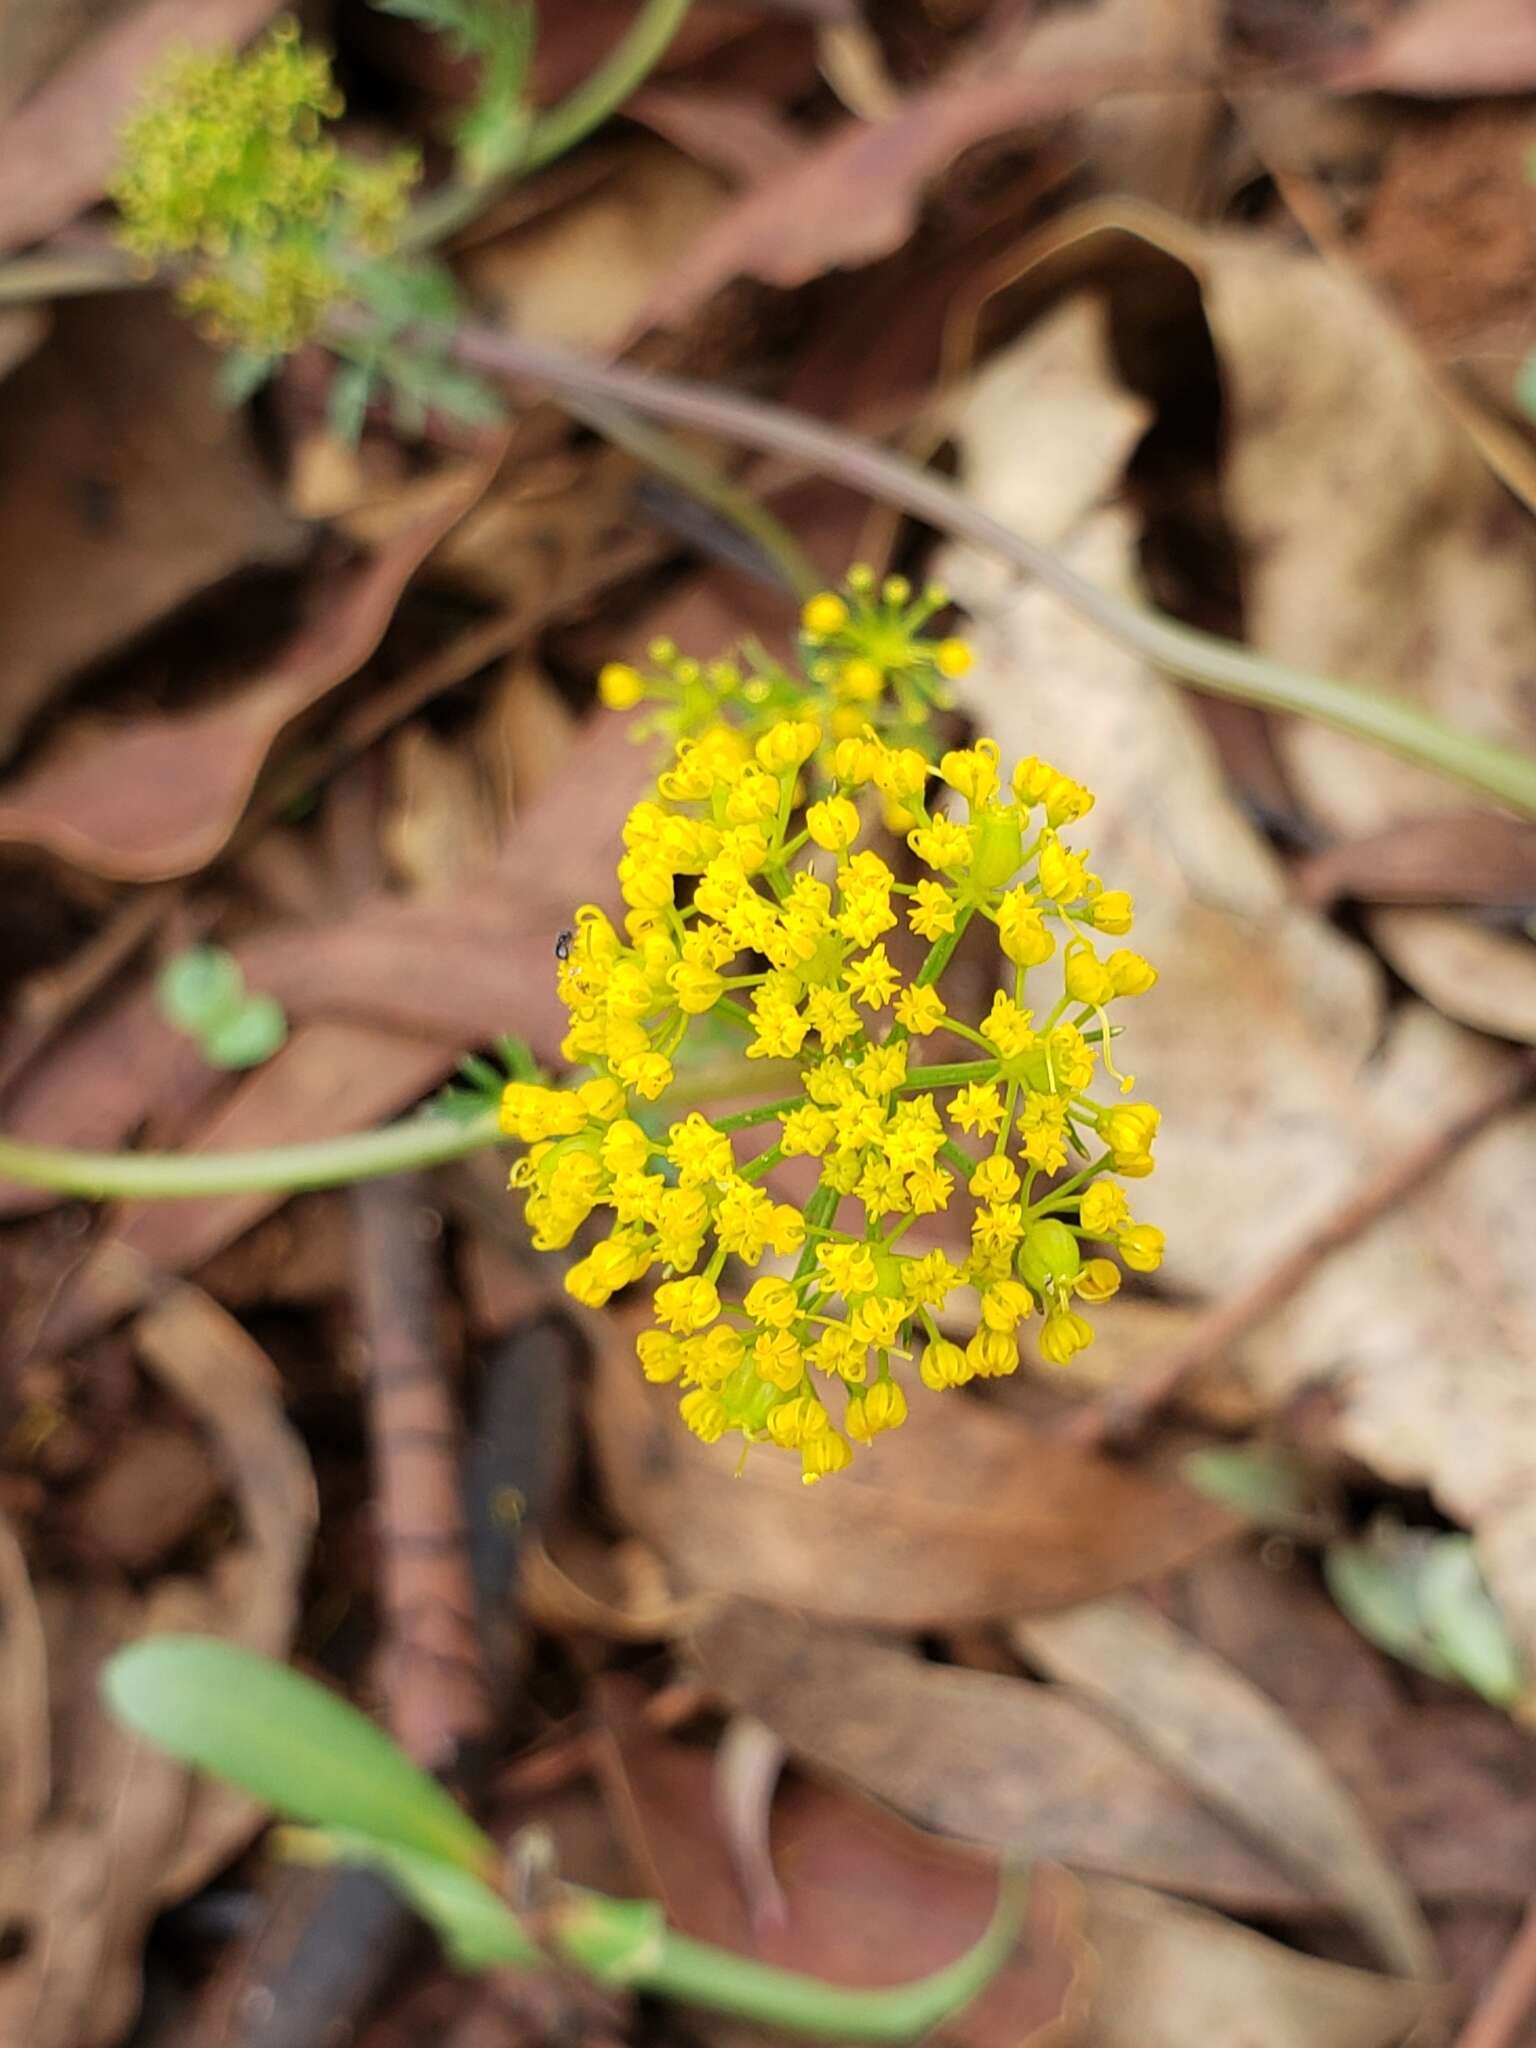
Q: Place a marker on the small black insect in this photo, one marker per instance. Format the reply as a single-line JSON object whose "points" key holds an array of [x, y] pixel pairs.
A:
{"points": [[563, 945]]}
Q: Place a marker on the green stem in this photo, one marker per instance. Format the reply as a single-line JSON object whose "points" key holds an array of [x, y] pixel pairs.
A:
{"points": [[429, 1139], [426, 1140], [673, 1966], [627, 65], [744, 1119], [951, 1076], [942, 950], [1200, 659]]}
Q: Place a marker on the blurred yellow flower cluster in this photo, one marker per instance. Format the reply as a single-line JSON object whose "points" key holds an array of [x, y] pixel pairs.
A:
{"points": [[756, 901], [227, 168]]}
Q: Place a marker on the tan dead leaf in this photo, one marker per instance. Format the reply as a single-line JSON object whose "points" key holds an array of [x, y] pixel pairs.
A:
{"points": [[158, 796], [127, 1832], [1283, 1082], [24, 1738], [36, 34], [1337, 449], [21, 330], [1171, 1975], [992, 1760], [523, 736], [129, 487], [1237, 1750], [1446, 49], [1453, 857], [58, 149], [436, 831], [739, 134], [571, 1584], [966, 1513], [581, 274]]}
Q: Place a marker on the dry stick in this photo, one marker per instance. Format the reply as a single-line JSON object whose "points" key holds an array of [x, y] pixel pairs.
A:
{"points": [[1119, 1418], [1500, 2014], [434, 1674]]}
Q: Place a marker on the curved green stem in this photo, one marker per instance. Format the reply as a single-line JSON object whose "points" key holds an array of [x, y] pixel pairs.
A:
{"points": [[628, 64], [1200, 659], [672, 1965]]}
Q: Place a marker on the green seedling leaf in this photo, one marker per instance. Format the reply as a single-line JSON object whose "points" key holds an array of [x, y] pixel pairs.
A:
{"points": [[1464, 1625], [478, 1930], [1374, 1585], [288, 1742], [198, 989], [250, 1035], [1266, 1485]]}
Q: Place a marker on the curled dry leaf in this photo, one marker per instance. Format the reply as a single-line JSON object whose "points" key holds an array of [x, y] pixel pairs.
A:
{"points": [[1236, 1749], [1015, 1766], [866, 1899], [1170, 1974], [129, 488], [967, 1513], [58, 149], [1283, 1082], [126, 1833], [159, 797]]}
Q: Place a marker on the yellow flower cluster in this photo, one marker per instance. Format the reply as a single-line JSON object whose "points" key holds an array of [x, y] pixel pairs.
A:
{"points": [[866, 662], [227, 166], [752, 902]]}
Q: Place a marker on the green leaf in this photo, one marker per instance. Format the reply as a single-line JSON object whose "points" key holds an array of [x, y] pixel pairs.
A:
{"points": [[1525, 385], [1267, 1485], [199, 988], [286, 1741], [1464, 1625], [252, 1034], [478, 1929]]}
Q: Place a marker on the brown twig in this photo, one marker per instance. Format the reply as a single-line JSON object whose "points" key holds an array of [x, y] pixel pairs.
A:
{"points": [[434, 1673], [1119, 1418], [1500, 2014]]}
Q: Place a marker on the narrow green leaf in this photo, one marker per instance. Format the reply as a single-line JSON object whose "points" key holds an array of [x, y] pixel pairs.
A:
{"points": [[1268, 1485], [1464, 1625], [247, 1037], [288, 1742], [346, 403], [199, 988], [1376, 1585], [241, 374], [1525, 384]]}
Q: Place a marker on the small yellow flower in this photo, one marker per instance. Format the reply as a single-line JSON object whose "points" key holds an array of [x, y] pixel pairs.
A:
{"points": [[824, 614], [620, 687]]}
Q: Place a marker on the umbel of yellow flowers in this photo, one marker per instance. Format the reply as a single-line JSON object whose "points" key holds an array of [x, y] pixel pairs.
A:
{"points": [[754, 902]]}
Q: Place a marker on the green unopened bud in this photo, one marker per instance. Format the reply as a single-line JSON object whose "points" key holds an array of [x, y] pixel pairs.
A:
{"points": [[1049, 1255]]}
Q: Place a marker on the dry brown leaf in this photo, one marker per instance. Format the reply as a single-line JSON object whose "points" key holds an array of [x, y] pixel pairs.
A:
{"points": [[129, 487], [581, 275], [573, 1585], [1235, 1748], [1282, 1081], [968, 1513], [1458, 857], [21, 330], [159, 796], [24, 1739], [1446, 49], [737, 133], [996, 1761], [36, 34], [126, 1832], [854, 196], [1327, 408], [436, 832], [1171, 1975], [866, 1899], [58, 150]]}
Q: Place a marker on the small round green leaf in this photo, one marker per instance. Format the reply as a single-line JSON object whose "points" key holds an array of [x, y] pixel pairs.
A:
{"points": [[287, 1741], [250, 1035], [198, 989]]}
